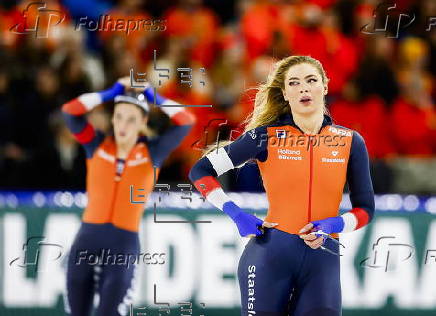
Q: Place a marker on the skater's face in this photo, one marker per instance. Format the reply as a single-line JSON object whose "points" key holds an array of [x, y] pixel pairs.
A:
{"points": [[304, 89], [128, 120]]}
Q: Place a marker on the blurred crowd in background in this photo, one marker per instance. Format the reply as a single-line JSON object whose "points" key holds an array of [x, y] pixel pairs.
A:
{"points": [[381, 85]]}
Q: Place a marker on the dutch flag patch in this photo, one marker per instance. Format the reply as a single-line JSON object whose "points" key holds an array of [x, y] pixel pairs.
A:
{"points": [[281, 133]]}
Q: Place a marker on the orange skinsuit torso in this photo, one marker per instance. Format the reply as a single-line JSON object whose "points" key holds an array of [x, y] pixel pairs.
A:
{"points": [[317, 186], [118, 188], [110, 197], [303, 175]]}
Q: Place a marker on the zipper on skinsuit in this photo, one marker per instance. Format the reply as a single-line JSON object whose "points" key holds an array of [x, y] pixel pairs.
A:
{"points": [[309, 207], [117, 180], [111, 213]]}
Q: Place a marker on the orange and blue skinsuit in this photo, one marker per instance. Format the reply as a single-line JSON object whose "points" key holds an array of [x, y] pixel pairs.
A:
{"points": [[304, 177], [104, 253]]}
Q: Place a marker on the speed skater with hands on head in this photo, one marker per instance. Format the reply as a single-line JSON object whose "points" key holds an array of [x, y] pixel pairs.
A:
{"points": [[305, 160], [115, 163]]}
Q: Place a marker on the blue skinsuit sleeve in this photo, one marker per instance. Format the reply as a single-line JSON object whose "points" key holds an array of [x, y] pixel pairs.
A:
{"points": [[251, 145], [359, 177]]}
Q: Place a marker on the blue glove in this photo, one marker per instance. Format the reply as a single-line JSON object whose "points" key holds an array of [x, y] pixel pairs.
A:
{"points": [[247, 224], [329, 225], [112, 92], [151, 96]]}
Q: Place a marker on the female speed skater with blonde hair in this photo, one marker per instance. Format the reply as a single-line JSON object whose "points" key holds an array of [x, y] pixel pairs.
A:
{"points": [[291, 266]]}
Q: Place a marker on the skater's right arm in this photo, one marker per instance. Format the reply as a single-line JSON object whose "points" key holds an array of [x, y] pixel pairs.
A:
{"points": [[75, 112], [251, 145]]}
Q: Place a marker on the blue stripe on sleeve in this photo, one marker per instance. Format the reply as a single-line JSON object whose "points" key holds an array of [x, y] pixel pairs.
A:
{"points": [[76, 124], [150, 95], [112, 92], [202, 168]]}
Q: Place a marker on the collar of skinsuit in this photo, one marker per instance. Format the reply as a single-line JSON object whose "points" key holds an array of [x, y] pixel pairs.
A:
{"points": [[287, 119]]}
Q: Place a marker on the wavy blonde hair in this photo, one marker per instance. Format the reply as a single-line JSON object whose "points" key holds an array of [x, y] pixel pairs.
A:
{"points": [[269, 103]]}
